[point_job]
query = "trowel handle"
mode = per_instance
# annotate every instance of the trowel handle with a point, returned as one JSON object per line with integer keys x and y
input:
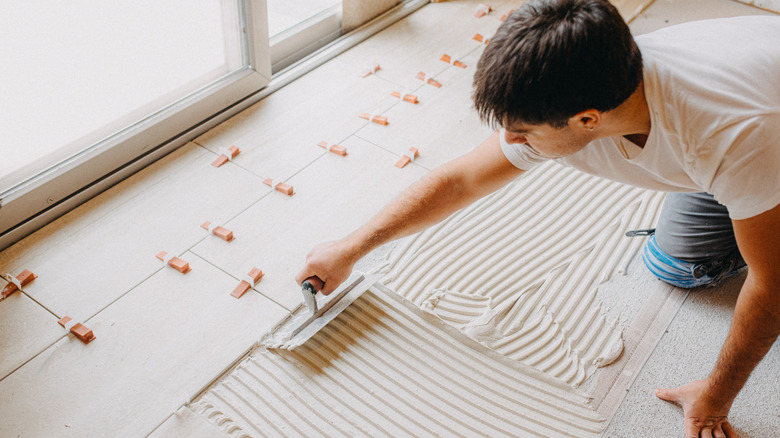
{"x": 313, "y": 284}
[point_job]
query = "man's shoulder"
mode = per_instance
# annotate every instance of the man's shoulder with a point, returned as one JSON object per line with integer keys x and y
{"x": 720, "y": 40}
{"x": 716, "y": 28}
{"x": 705, "y": 75}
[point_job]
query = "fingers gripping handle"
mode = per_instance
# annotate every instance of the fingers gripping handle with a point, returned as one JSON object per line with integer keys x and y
{"x": 309, "y": 289}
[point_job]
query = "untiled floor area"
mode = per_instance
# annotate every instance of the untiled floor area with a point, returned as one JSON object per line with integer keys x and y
{"x": 162, "y": 336}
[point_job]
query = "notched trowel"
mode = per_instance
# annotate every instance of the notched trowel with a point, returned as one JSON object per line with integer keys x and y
{"x": 308, "y": 318}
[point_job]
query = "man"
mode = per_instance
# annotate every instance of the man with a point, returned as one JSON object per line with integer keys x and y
{"x": 692, "y": 109}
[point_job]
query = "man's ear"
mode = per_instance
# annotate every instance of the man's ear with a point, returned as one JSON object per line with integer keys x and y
{"x": 587, "y": 120}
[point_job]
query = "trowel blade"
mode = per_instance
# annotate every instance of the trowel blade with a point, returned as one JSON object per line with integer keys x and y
{"x": 301, "y": 325}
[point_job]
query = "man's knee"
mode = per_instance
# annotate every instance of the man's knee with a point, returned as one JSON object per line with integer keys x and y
{"x": 694, "y": 227}
{"x": 685, "y": 274}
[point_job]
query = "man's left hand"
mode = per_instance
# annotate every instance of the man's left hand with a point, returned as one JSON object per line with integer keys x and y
{"x": 702, "y": 418}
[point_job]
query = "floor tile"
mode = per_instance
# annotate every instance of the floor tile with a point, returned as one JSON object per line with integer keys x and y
{"x": 442, "y": 126}
{"x": 333, "y": 197}
{"x": 278, "y": 136}
{"x": 154, "y": 348}
{"x": 26, "y": 329}
{"x": 86, "y": 264}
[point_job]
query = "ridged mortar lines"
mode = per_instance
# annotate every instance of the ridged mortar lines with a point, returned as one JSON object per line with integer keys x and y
{"x": 317, "y": 410}
{"x": 431, "y": 379}
{"x": 384, "y": 367}
{"x": 456, "y": 309}
{"x": 387, "y": 388}
{"x": 354, "y": 397}
{"x": 538, "y": 249}
{"x": 442, "y": 412}
{"x": 322, "y": 390}
{"x": 429, "y": 341}
{"x": 496, "y": 252}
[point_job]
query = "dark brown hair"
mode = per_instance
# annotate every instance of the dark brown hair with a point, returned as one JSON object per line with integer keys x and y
{"x": 552, "y": 59}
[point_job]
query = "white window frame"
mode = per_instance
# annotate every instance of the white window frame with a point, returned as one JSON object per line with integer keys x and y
{"x": 299, "y": 41}
{"x": 34, "y": 202}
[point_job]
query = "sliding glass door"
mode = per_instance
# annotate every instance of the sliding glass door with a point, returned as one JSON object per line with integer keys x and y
{"x": 93, "y": 91}
{"x": 88, "y": 87}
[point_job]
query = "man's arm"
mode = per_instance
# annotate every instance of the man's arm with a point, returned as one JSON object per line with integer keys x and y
{"x": 428, "y": 201}
{"x": 755, "y": 328}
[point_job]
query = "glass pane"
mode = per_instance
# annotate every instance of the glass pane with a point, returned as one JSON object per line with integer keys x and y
{"x": 75, "y": 72}
{"x": 284, "y": 14}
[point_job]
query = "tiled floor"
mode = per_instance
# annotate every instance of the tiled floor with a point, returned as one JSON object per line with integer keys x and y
{"x": 161, "y": 335}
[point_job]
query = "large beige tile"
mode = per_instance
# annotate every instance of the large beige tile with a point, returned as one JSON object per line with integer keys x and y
{"x": 84, "y": 265}
{"x": 26, "y": 329}
{"x": 442, "y": 126}
{"x": 154, "y": 348}
{"x": 279, "y": 135}
{"x": 333, "y": 196}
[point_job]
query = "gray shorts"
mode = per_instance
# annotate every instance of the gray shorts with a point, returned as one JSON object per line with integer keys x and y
{"x": 694, "y": 227}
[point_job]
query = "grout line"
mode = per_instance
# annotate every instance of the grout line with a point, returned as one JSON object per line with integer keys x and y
{"x": 388, "y": 150}
{"x": 163, "y": 422}
{"x": 195, "y": 141}
{"x": 40, "y": 304}
{"x": 237, "y": 279}
{"x": 33, "y": 357}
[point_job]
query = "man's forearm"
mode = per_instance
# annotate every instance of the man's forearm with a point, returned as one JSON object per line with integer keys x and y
{"x": 755, "y": 328}
{"x": 445, "y": 190}
{"x": 426, "y": 202}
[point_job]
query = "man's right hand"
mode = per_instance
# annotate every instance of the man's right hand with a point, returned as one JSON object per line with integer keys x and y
{"x": 331, "y": 262}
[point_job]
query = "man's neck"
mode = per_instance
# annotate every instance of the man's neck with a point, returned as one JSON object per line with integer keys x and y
{"x": 632, "y": 118}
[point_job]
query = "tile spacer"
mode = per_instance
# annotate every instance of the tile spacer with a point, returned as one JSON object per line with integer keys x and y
{"x": 431, "y": 81}
{"x": 221, "y": 232}
{"x": 248, "y": 282}
{"x": 407, "y": 158}
{"x": 336, "y": 149}
{"x": 411, "y": 98}
{"x": 278, "y": 186}
{"x": 480, "y": 38}
{"x": 17, "y": 283}
{"x": 174, "y": 262}
{"x": 226, "y": 155}
{"x": 448, "y": 59}
{"x": 381, "y": 120}
{"x": 482, "y": 10}
{"x": 80, "y": 330}
{"x": 373, "y": 68}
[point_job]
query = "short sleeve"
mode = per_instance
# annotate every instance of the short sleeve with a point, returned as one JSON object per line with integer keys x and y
{"x": 519, "y": 154}
{"x": 747, "y": 181}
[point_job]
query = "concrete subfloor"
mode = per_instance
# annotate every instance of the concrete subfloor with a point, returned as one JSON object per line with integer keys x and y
{"x": 154, "y": 325}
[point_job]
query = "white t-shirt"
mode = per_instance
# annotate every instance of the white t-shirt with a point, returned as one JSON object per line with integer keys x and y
{"x": 713, "y": 88}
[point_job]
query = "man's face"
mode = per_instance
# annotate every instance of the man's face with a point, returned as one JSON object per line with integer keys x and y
{"x": 546, "y": 140}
